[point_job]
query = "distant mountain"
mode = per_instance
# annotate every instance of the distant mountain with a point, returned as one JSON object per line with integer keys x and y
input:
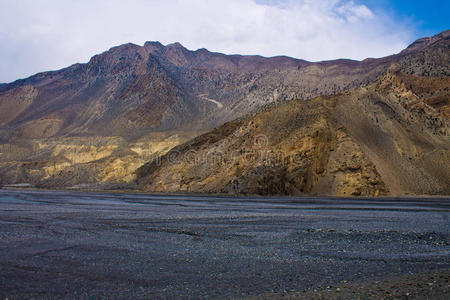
{"x": 96, "y": 123}
{"x": 132, "y": 89}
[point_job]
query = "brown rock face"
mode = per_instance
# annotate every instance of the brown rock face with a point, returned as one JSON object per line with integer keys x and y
{"x": 295, "y": 148}
{"x": 367, "y": 142}
{"x": 390, "y": 137}
{"x": 96, "y": 123}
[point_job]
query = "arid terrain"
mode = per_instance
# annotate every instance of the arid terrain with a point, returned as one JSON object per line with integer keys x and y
{"x": 239, "y": 150}
{"x": 234, "y": 124}
{"x": 72, "y": 245}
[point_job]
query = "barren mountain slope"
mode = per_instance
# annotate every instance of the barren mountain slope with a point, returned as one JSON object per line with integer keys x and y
{"x": 389, "y": 138}
{"x": 133, "y": 102}
{"x": 98, "y": 122}
{"x": 130, "y": 88}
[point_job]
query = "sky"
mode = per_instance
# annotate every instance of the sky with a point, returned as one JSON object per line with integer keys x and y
{"x": 42, "y": 35}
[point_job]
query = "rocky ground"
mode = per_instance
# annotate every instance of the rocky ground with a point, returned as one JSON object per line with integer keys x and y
{"x": 56, "y": 245}
{"x": 429, "y": 285}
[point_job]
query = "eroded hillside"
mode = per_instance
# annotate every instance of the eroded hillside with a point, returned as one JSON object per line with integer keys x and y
{"x": 389, "y": 138}
{"x": 95, "y": 124}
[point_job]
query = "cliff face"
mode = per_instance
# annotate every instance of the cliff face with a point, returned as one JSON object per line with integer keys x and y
{"x": 294, "y": 148}
{"x": 98, "y": 122}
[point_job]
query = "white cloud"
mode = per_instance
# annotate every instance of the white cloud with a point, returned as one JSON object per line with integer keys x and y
{"x": 354, "y": 12}
{"x": 39, "y": 35}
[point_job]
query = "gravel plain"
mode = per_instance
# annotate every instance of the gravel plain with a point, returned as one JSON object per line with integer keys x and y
{"x": 79, "y": 245}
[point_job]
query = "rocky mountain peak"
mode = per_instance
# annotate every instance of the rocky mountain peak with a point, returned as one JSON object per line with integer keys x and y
{"x": 176, "y": 45}
{"x": 423, "y": 43}
{"x": 154, "y": 47}
{"x": 178, "y": 54}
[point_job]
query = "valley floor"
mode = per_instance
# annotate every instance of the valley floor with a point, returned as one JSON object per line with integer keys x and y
{"x": 77, "y": 245}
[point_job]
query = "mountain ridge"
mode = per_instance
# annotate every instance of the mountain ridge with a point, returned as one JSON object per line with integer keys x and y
{"x": 96, "y": 123}
{"x": 415, "y": 46}
{"x": 174, "y": 57}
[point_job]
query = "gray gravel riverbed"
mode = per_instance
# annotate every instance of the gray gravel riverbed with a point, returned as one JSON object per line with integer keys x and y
{"x": 77, "y": 245}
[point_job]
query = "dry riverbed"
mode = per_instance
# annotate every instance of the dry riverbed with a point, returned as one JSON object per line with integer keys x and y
{"x": 77, "y": 245}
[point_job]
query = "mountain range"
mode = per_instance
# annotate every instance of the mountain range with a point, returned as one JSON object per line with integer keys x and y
{"x": 167, "y": 119}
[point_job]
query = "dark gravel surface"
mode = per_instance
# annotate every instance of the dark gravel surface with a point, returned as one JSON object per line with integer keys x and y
{"x": 89, "y": 245}
{"x": 433, "y": 285}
